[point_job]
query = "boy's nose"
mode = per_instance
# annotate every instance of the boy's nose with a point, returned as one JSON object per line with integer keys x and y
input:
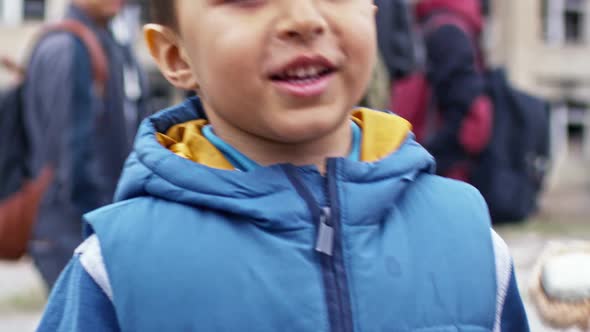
{"x": 301, "y": 21}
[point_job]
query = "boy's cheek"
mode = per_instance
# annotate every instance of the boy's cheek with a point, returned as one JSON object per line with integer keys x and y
{"x": 358, "y": 24}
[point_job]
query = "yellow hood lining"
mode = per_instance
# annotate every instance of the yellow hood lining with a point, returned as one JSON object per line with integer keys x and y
{"x": 383, "y": 134}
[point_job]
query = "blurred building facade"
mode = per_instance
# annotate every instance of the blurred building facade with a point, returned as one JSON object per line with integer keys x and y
{"x": 19, "y": 20}
{"x": 545, "y": 44}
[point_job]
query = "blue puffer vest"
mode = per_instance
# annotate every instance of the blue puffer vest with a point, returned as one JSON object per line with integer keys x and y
{"x": 379, "y": 246}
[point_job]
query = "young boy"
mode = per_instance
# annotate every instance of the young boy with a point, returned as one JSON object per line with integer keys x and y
{"x": 221, "y": 224}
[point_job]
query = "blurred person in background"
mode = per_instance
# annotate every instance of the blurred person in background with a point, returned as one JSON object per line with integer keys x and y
{"x": 468, "y": 115}
{"x": 85, "y": 135}
{"x": 396, "y": 57}
{"x": 395, "y": 37}
{"x": 455, "y": 71}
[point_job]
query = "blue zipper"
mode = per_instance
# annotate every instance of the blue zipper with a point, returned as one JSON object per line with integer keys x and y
{"x": 329, "y": 247}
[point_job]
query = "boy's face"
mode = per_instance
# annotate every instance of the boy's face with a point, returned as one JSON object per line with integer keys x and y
{"x": 287, "y": 71}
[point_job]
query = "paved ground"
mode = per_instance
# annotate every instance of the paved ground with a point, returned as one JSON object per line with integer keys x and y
{"x": 565, "y": 215}
{"x": 22, "y": 297}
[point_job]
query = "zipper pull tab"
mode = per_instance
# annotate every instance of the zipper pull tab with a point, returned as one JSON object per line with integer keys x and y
{"x": 325, "y": 240}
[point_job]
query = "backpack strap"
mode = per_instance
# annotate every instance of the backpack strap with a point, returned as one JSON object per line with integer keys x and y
{"x": 98, "y": 57}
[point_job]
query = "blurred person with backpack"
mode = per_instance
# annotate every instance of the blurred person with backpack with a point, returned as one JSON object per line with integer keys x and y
{"x": 479, "y": 127}
{"x": 455, "y": 72}
{"x": 84, "y": 131}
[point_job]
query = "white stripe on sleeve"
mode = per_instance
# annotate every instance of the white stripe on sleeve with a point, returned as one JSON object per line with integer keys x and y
{"x": 503, "y": 274}
{"x": 91, "y": 260}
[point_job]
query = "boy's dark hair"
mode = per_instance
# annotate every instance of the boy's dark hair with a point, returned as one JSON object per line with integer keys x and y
{"x": 163, "y": 12}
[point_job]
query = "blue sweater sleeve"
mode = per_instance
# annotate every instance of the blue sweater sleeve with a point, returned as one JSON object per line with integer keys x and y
{"x": 514, "y": 318}
{"x": 78, "y": 304}
{"x": 60, "y": 115}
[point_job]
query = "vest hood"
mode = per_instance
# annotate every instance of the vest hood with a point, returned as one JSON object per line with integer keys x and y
{"x": 160, "y": 167}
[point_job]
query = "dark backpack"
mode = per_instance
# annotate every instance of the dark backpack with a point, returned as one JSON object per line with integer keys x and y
{"x": 20, "y": 194}
{"x": 510, "y": 171}
{"x": 14, "y": 147}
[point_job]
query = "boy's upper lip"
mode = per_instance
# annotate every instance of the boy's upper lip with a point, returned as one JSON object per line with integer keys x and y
{"x": 302, "y": 61}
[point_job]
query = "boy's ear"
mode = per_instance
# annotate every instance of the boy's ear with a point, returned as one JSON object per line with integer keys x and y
{"x": 166, "y": 50}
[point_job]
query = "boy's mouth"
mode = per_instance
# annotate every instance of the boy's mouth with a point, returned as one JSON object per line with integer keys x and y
{"x": 304, "y": 76}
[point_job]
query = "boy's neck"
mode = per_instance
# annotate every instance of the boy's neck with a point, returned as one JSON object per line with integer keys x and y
{"x": 266, "y": 152}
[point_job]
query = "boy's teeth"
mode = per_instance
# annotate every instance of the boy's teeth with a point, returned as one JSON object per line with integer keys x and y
{"x": 312, "y": 71}
{"x": 302, "y": 72}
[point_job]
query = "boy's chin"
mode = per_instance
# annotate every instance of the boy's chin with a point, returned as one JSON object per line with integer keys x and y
{"x": 307, "y": 130}
{"x": 296, "y": 137}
